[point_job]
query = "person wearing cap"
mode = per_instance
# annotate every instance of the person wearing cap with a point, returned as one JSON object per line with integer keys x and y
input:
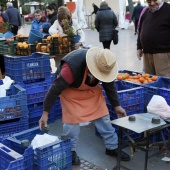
{"x": 14, "y": 18}
{"x": 77, "y": 82}
{"x": 153, "y": 41}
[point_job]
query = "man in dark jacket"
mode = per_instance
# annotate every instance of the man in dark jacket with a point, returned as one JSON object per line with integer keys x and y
{"x": 136, "y": 14}
{"x": 14, "y": 18}
{"x": 105, "y": 23}
{"x": 96, "y": 8}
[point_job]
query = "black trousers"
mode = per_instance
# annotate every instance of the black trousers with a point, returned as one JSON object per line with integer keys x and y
{"x": 136, "y": 25}
{"x": 2, "y": 65}
{"x": 106, "y": 44}
{"x": 14, "y": 29}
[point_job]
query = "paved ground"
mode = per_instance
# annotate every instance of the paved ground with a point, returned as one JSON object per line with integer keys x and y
{"x": 90, "y": 147}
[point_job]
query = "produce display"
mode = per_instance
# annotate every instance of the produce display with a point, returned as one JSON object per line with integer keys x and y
{"x": 55, "y": 44}
{"x": 138, "y": 78}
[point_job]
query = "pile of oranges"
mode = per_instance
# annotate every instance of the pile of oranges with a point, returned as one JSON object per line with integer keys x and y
{"x": 138, "y": 78}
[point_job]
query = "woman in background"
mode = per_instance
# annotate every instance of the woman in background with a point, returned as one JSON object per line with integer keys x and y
{"x": 72, "y": 25}
{"x": 51, "y": 12}
{"x": 105, "y": 23}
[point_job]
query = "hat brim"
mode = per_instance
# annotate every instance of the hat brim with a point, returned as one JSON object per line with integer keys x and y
{"x": 91, "y": 64}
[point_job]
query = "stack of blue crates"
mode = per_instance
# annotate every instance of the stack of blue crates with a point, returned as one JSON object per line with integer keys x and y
{"x": 33, "y": 73}
{"x": 13, "y": 112}
{"x": 160, "y": 87}
{"x": 56, "y": 155}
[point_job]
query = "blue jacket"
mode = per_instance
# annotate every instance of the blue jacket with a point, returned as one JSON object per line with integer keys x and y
{"x": 14, "y": 16}
{"x": 37, "y": 25}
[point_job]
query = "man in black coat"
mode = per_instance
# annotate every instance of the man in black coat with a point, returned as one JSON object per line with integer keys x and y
{"x": 136, "y": 14}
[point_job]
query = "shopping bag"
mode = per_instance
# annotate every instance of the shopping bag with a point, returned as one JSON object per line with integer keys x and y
{"x": 115, "y": 37}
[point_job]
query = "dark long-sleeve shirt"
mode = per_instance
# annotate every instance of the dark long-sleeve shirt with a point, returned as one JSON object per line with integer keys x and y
{"x": 154, "y": 31}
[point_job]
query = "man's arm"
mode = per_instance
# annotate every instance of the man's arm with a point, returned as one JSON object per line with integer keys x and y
{"x": 5, "y": 17}
{"x": 64, "y": 80}
{"x": 111, "y": 93}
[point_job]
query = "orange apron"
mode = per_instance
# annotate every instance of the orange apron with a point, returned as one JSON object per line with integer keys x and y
{"x": 83, "y": 104}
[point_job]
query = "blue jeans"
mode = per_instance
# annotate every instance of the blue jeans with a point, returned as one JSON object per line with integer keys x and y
{"x": 103, "y": 126}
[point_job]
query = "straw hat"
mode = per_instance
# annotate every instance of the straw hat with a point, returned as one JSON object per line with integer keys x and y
{"x": 102, "y": 64}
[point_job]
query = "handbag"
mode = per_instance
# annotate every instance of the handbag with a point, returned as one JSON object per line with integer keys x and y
{"x": 115, "y": 37}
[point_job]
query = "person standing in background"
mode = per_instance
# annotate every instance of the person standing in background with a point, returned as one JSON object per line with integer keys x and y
{"x": 105, "y": 23}
{"x": 3, "y": 19}
{"x": 136, "y": 14}
{"x": 51, "y": 12}
{"x": 38, "y": 21}
{"x": 95, "y": 9}
{"x": 14, "y": 18}
{"x": 154, "y": 38}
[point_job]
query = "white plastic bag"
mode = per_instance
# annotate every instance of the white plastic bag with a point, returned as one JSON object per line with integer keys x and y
{"x": 6, "y": 85}
{"x": 41, "y": 140}
{"x": 159, "y": 106}
{"x": 131, "y": 25}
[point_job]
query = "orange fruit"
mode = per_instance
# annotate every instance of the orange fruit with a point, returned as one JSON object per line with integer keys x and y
{"x": 143, "y": 75}
{"x": 119, "y": 77}
{"x": 141, "y": 79}
{"x": 124, "y": 76}
{"x": 147, "y": 75}
{"x": 154, "y": 78}
{"x": 127, "y": 75}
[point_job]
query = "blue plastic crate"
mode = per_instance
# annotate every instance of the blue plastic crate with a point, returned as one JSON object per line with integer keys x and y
{"x": 132, "y": 73}
{"x": 55, "y": 156}
{"x": 36, "y": 91}
{"x": 26, "y": 152}
{"x": 160, "y": 87}
{"x": 36, "y": 110}
{"x": 9, "y": 159}
{"x": 14, "y": 105}
{"x": 28, "y": 69}
{"x": 165, "y": 93}
{"x": 10, "y": 127}
{"x": 131, "y": 99}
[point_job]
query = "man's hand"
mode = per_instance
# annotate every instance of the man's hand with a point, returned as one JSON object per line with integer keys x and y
{"x": 120, "y": 111}
{"x": 43, "y": 120}
{"x": 139, "y": 54}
